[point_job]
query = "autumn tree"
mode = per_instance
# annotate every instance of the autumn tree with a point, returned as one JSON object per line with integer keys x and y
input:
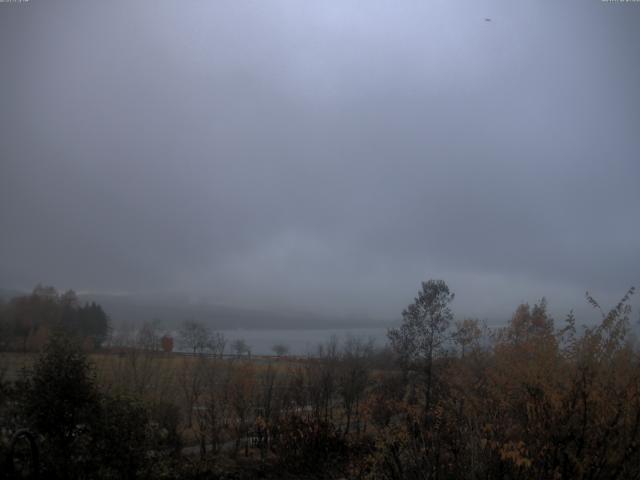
{"x": 192, "y": 378}
{"x": 280, "y": 349}
{"x": 213, "y": 413}
{"x": 321, "y": 379}
{"x": 166, "y": 342}
{"x": 31, "y": 312}
{"x": 5, "y": 327}
{"x": 529, "y": 323}
{"x": 148, "y": 337}
{"x": 241, "y": 347}
{"x": 353, "y": 378}
{"x": 422, "y": 334}
{"x": 467, "y": 334}
{"x": 241, "y": 400}
{"x": 216, "y": 344}
{"x": 269, "y": 405}
{"x": 194, "y": 336}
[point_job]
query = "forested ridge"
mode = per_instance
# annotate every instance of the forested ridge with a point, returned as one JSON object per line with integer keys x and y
{"x": 26, "y": 321}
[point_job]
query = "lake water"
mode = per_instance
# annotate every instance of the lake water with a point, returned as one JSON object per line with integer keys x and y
{"x": 300, "y": 342}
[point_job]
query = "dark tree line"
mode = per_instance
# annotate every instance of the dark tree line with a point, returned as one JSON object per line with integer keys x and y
{"x": 26, "y": 321}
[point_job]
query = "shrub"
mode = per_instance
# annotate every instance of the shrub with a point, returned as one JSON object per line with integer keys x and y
{"x": 306, "y": 445}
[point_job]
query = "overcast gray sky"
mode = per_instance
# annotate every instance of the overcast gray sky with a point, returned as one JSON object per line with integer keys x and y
{"x": 324, "y": 155}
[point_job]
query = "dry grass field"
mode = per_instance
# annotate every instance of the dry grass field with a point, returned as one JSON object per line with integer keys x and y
{"x": 183, "y": 381}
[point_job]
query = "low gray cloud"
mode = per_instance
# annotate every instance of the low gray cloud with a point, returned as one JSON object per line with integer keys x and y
{"x": 322, "y": 155}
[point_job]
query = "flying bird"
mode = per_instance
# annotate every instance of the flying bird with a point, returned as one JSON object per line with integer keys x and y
{"x": 487, "y": 19}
